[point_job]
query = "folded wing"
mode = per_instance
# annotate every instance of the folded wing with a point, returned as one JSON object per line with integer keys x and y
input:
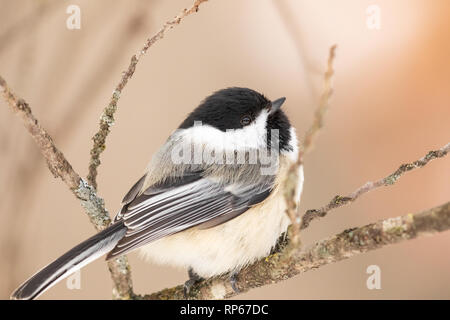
{"x": 188, "y": 201}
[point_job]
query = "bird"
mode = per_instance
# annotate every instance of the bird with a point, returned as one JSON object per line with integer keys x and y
{"x": 211, "y": 199}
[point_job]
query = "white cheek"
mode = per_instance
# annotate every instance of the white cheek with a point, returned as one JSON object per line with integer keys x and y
{"x": 252, "y": 136}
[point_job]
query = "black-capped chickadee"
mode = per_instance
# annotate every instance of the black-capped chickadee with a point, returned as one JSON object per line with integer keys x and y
{"x": 211, "y": 199}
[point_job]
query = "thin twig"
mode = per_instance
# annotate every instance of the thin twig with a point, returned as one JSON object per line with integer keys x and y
{"x": 56, "y": 161}
{"x": 311, "y": 134}
{"x": 308, "y": 140}
{"x": 291, "y": 260}
{"x": 339, "y": 201}
{"x": 96, "y": 81}
{"x": 286, "y": 263}
{"x": 61, "y": 168}
{"x": 107, "y": 117}
{"x": 119, "y": 268}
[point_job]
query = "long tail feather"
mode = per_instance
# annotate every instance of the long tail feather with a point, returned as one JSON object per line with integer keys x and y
{"x": 71, "y": 261}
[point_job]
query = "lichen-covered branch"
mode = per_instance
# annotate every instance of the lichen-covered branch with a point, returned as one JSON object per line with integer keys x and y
{"x": 107, "y": 117}
{"x": 339, "y": 201}
{"x": 61, "y": 168}
{"x": 85, "y": 191}
{"x": 310, "y": 135}
{"x": 319, "y": 115}
{"x": 57, "y": 163}
{"x": 119, "y": 267}
{"x": 292, "y": 260}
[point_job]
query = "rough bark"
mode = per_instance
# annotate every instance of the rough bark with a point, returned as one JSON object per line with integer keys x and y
{"x": 292, "y": 260}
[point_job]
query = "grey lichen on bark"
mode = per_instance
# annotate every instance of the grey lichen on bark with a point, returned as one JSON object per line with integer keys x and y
{"x": 59, "y": 166}
{"x": 121, "y": 275}
{"x": 107, "y": 117}
{"x": 119, "y": 267}
{"x": 93, "y": 205}
{"x": 339, "y": 201}
{"x": 292, "y": 260}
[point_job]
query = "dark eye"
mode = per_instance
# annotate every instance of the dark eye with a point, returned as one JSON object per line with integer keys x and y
{"x": 245, "y": 120}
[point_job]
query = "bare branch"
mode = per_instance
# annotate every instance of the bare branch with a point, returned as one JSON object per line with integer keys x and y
{"x": 61, "y": 168}
{"x": 119, "y": 268}
{"x": 291, "y": 260}
{"x": 321, "y": 110}
{"x": 107, "y": 117}
{"x": 310, "y": 136}
{"x": 56, "y": 161}
{"x": 339, "y": 201}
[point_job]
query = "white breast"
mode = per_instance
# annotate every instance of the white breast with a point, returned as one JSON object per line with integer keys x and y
{"x": 231, "y": 245}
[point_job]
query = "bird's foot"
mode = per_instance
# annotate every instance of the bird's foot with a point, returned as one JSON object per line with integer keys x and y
{"x": 233, "y": 281}
{"x": 193, "y": 279}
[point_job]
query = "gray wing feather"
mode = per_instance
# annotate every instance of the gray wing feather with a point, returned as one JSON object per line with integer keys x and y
{"x": 196, "y": 201}
{"x": 132, "y": 194}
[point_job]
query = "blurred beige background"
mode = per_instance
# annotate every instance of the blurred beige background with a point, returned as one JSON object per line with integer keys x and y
{"x": 390, "y": 106}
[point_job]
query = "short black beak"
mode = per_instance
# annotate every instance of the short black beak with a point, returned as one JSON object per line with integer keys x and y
{"x": 276, "y": 105}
